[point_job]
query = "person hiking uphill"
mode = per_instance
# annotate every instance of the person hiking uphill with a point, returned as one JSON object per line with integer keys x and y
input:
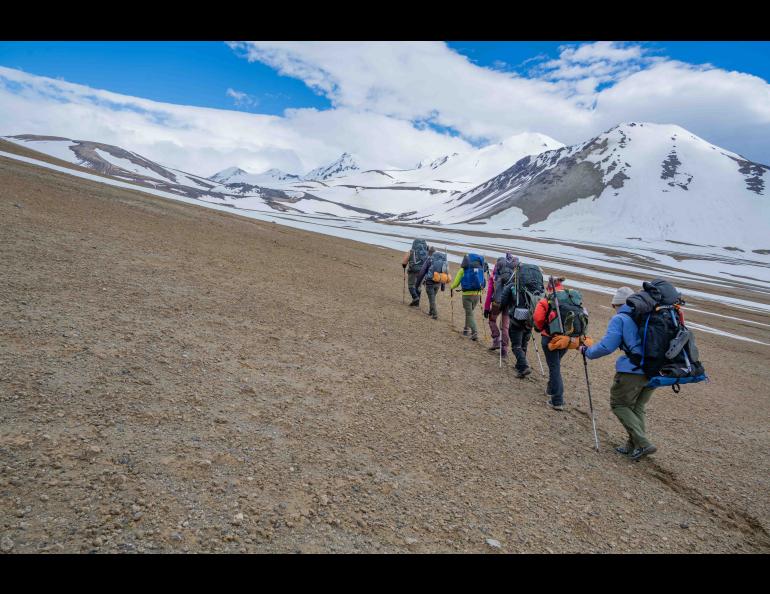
{"x": 515, "y": 301}
{"x": 499, "y": 279}
{"x": 542, "y": 318}
{"x": 434, "y": 272}
{"x": 629, "y": 393}
{"x": 471, "y": 278}
{"x": 412, "y": 263}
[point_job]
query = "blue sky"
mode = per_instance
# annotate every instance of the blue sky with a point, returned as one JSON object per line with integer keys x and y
{"x": 199, "y": 73}
{"x": 298, "y": 105}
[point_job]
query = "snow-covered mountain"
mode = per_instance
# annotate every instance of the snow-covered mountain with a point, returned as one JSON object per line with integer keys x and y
{"x": 236, "y": 175}
{"x": 111, "y": 160}
{"x": 643, "y": 180}
{"x": 434, "y": 163}
{"x": 126, "y": 166}
{"x": 479, "y": 165}
{"x": 345, "y": 165}
{"x": 224, "y": 176}
{"x": 637, "y": 181}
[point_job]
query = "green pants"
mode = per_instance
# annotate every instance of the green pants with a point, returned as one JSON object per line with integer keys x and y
{"x": 628, "y": 398}
{"x": 469, "y": 303}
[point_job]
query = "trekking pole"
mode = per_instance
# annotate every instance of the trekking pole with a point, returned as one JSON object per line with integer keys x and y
{"x": 501, "y": 341}
{"x": 590, "y": 402}
{"x": 403, "y": 293}
{"x": 537, "y": 352}
{"x": 452, "y": 306}
{"x": 481, "y": 303}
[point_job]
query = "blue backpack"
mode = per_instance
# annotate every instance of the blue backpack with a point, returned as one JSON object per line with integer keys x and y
{"x": 473, "y": 273}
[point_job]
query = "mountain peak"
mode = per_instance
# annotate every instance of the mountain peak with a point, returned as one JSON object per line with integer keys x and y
{"x": 227, "y": 174}
{"x": 344, "y": 165}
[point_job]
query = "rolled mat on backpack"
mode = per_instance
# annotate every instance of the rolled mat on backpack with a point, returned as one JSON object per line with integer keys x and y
{"x": 562, "y": 341}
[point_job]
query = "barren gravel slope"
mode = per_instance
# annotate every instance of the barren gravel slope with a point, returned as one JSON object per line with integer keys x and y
{"x": 178, "y": 379}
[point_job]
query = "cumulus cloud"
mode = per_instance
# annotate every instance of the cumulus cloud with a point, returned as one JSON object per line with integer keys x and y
{"x": 203, "y": 140}
{"x": 589, "y": 88}
{"x": 392, "y": 104}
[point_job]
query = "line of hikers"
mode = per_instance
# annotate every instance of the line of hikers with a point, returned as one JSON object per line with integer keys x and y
{"x": 648, "y": 327}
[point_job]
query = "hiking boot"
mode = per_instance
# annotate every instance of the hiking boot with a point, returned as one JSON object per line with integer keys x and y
{"x": 640, "y": 453}
{"x": 466, "y": 331}
{"x": 524, "y": 373}
{"x": 434, "y": 315}
{"x": 625, "y": 449}
{"x": 415, "y": 303}
{"x": 494, "y": 348}
{"x": 555, "y": 406}
{"x": 475, "y": 336}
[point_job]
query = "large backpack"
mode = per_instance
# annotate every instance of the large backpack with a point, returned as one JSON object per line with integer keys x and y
{"x": 438, "y": 271}
{"x": 417, "y": 255}
{"x": 503, "y": 275}
{"x": 473, "y": 273}
{"x": 572, "y": 318}
{"x": 527, "y": 289}
{"x": 669, "y": 354}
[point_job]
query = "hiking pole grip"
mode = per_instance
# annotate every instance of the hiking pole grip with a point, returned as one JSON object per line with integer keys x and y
{"x": 590, "y": 402}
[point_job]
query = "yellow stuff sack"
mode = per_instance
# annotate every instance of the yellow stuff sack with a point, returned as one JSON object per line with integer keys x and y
{"x": 441, "y": 277}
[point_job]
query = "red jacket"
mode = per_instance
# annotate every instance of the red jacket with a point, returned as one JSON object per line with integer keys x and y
{"x": 541, "y": 309}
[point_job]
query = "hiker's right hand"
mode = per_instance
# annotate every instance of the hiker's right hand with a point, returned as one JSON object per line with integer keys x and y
{"x": 486, "y": 313}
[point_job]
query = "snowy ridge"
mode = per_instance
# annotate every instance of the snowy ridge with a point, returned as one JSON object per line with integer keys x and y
{"x": 642, "y": 180}
{"x": 345, "y": 165}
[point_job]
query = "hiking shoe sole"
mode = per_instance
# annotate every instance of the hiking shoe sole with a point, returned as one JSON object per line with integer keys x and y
{"x": 559, "y": 407}
{"x": 522, "y": 374}
{"x": 474, "y": 337}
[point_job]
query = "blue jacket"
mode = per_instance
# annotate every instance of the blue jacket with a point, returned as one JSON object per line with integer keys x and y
{"x": 621, "y": 330}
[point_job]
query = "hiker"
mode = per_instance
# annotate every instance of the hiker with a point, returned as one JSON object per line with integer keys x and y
{"x": 658, "y": 350}
{"x": 544, "y": 314}
{"x": 471, "y": 278}
{"x": 629, "y": 393}
{"x": 520, "y": 298}
{"x": 500, "y": 277}
{"x": 412, "y": 264}
{"x": 434, "y": 272}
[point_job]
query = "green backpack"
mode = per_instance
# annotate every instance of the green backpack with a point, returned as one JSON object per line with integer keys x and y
{"x": 573, "y": 318}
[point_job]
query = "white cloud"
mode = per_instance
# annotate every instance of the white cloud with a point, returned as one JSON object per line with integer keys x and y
{"x": 202, "y": 140}
{"x": 589, "y": 88}
{"x": 385, "y": 98}
{"x": 241, "y": 99}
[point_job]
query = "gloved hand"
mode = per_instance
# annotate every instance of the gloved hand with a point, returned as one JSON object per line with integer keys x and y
{"x": 587, "y": 340}
{"x": 486, "y": 314}
{"x": 403, "y": 266}
{"x": 442, "y": 287}
{"x": 559, "y": 342}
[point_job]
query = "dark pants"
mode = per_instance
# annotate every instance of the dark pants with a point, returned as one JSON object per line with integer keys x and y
{"x": 520, "y": 337}
{"x": 413, "y": 291}
{"x": 555, "y": 383}
{"x": 431, "y": 289}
